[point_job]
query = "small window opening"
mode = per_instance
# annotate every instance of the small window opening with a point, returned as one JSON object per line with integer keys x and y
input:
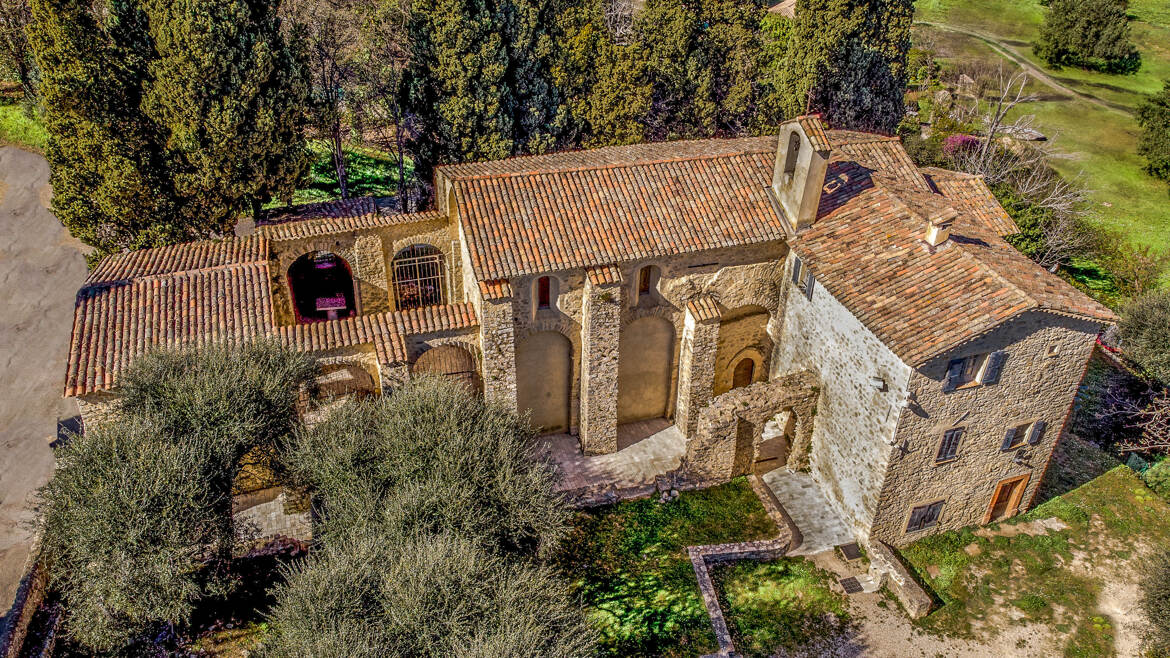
{"x": 793, "y": 152}
{"x": 924, "y": 516}
{"x": 744, "y": 373}
{"x": 644, "y": 281}
{"x": 949, "y": 448}
{"x": 543, "y": 293}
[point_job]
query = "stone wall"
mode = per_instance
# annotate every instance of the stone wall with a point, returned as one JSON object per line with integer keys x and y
{"x": 498, "y": 349}
{"x": 855, "y": 418}
{"x": 97, "y": 408}
{"x": 743, "y": 333}
{"x": 696, "y": 371}
{"x": 730, "y": 429}
{"x": 1046, "y": 358}
{"x": 601, "y": 317}
{"x": 369, "y": 253}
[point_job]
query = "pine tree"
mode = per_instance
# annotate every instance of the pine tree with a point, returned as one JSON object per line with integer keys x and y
{"x": 1154, "y": 144}
{"x": 232, "y": 98}
{"x": 1092, "y": 34}
{"x": 848, "y": 60}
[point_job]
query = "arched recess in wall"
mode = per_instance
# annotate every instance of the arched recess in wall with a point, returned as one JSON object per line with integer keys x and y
{"x": 453, "y": 362}
{"x": 321, "y": 284}
{"x": 344, "y": 379}
{"x": 645, "y": 365}
{"x": 419, "y": 277}
{"x": 744, "y": 348}
{"x": 544, "y": 369}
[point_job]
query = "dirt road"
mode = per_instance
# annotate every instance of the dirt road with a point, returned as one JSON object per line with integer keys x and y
{"x": 41, "y": 268}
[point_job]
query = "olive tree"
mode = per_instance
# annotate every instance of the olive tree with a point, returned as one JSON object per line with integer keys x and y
{"x": 137, "y": 519}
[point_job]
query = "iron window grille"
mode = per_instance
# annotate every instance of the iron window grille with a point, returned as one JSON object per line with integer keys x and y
{"x": 418, "y": 277}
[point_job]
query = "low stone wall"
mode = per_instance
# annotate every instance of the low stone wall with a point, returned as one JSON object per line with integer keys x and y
{"x": 29, "y": 597}
{"x": 888, "y": 569}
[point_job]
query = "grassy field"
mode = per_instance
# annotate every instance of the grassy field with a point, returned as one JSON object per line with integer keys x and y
{"x": 1101, "y": 142}
{"x": 17, "y": 129}
{"x": 628, "y": 563}
{"x": 1055, "y": 577}
{"x": 371, "y": 173}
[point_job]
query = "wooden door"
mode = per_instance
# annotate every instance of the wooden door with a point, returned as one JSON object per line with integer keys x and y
{"x": 1006, "y": 501}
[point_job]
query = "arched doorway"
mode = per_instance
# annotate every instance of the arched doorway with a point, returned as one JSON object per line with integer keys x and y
{"x": 419, "y": 279}
{"x": 453, "y": 362}
{"x": 544, "y": 370}
{"x": 744, "y": 373}
{"x": 322, "y": 287}
{"x": 344, "y": 379}
{"x": 645, "y": 364}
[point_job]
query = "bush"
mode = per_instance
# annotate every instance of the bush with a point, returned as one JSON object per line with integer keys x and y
{"x": 379, "y": 593}
{"x": 1153, "y": 116}
{"x": 137, "y": 519}
{"x": 1158, "y": 478}
{"x": 1143, "y": 333}
{"x": 1091, "y": 34}
{"x": 1155, "y": 601}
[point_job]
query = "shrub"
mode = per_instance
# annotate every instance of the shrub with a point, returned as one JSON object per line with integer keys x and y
{"x": 137, "y": 519}
{"x": 1155, "y": 601}
{"x": 1158, "y": 478}
{"x": 1091, "y": 34}
{"x": 381, "y": 593}
{"x": 1154, "y": 117}
{"x": 1143, "y": 333}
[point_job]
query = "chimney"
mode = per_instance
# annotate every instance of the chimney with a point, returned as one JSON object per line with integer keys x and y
{"x": 798, "y": 177}
{"x": 938, "y": 226}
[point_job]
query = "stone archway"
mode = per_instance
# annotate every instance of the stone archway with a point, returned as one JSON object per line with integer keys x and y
{"x": 743, "y": 350}
{"x": 321, "y": 285}
{"x": 730, "y": 436}
{"x": 453, "y": 362}
{"x": 645, "y": 366}
{"x": 544, "y": 368}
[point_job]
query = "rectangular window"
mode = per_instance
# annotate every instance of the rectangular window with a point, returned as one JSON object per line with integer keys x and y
{"x": 949, "y": 448}
{"x": 924, "y": 516}
{"x": 1015, "y": 437}
{"x": 644, "y": 281}
{"x": 963, "y": 372}
{"x": 803, "y": 277}
{"x": 544, "y": 292}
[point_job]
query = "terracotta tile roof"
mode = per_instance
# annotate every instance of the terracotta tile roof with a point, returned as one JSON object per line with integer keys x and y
{"x": 333, "y": 217}
{"x": 615, "y": 205}
{"x": 179, "y": 258}
{"x": 114, "y": 324}
{"x": 377, "y": 329}
{"x": 878, "y": 153}
{"x": 971, "y": 195}
{"x": 604, "y": 274}
{"x": 704, "y": 308}
{"x": 496, "y": 289}
{"x": 430, "y": 319}
{"x": 866, "y": 249}
{"x": 814, "y": 129}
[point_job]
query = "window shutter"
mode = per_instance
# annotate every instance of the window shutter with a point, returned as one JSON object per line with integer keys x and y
{"x": 954, "y": 372}
{"x": 1008, "y": 439}
{"x": 808, "y": 286}
{"x": 994, "y": 367}
{"x": 796, "y": 265}
{"x": 915, "y": 519}
{"x": 1037, "y": 432}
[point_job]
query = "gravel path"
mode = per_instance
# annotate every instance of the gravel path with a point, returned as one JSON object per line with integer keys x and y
{"x": 41, "y": 268}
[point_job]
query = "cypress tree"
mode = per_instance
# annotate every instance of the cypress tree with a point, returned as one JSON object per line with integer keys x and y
{"x": 479, "y": 85}
{"x": 107, "y": 159}
{"x": 232, "y": 98}
{"x": 848, "y": 60}
{"x": 1091, "y": 34}
{"x": 166, "y": 120}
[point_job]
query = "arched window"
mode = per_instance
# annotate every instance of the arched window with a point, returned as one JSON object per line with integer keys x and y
{"x": 418, "y": 277}
{"x": 744, "y": 373}
{"x": 793, "y": 152}
{"x": 321, "y": 287}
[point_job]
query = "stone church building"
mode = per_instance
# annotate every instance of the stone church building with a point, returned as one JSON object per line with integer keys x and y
{"x": 915, "y": 364}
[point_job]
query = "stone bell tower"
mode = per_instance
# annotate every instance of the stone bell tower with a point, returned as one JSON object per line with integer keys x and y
{"x": 802, "y": 158}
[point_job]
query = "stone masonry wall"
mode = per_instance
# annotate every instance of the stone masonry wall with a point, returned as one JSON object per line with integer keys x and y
{"x": 1046, "y": 358}
{"x": 696, "y": 371}
{"x": 855, "y": 420}
{"x": 601, "y": 320}
{"x": 498, "y": 349}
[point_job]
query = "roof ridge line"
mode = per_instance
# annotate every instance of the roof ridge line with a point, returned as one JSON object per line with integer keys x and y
{"x": 172, "y": 275}
{"x": 608, "y": 167}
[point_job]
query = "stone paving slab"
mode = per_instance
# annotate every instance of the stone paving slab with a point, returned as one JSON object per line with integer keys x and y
{"x": 819, "y": 526}
{"x": 636, "y": 467}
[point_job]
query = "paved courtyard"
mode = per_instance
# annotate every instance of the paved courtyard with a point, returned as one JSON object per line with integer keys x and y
{"x": 819, "y": 526}
{"x": 648, "y": 449}
{"x": 41, "y": 268}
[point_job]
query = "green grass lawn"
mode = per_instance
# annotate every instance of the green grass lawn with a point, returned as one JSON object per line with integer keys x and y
{"x": 783, "y": 604}
{"x": 1110, "y": 519}
{"x": 371, "y": 173}
{"x": 18, "y": 129}
{"x": 628, "y": 564}
{"x": 1101, "y": 142}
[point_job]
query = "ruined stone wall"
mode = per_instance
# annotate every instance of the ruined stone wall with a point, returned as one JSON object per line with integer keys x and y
{"x": 1046, "y": 358}
{"x": 742, "y": 337}
{"x": 855, "y": 420}
{"x": 369, "y": 254}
